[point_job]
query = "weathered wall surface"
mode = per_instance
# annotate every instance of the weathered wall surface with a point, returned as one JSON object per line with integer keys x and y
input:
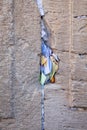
{"x": 27, "y": 47}
{"x": 19, "y": 65}
{"x": 5, "y": 58}
{"x": 68, "y": 38}
{"x": 79, "y": 54}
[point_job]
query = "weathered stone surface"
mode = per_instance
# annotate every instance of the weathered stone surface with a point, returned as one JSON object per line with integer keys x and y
{"x": 78, "y": 54}
{"x": 79, "y": 93}
{"x": 62, "y": 77}
{"x": 79, "y": 36}
{"x": 57, "y": 17}
{"x": 80, "y": 9}
{"x": 27, "y": 35}
{"x": 5, "y": 58}
{"x": 58, "y": 115}
{"x": 19, "y": 67}
{"x": 20, "y": 107}
{"x": 79, "y": 67}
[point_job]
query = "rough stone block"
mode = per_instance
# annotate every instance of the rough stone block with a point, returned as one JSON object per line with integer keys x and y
{"x": 57, "y": 17}
{"x": 79, "y": 94}
{"x": 6, "y": 108}
{"x": 79, "y": 67}
{"x": 27, "y": 48}
{"x": 27, "y": 32}
{"x": 79, "y": 36}
{"x": 81, "y": 9}
{"x": 79, "y": 26}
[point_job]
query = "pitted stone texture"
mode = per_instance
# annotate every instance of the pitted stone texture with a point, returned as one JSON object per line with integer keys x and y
{"x": 81, "y": 8}
{"x": 79, "y": 54}
{"x": 79, "y": 35}
{"x": 27, "y": 35}
{"x": 58, "y": 116}
{"x": 62, "y": 77}
{"x": 58, "y": 19}
{"x": 19, "y": 47}
{"x": 79, "y": 26}
{"x": 79, "y": 94}
{"x": 27, "y": 32}
{"x": 19, "y": 67}
{"x": 5, "y": 58}
{"x": 79, "y": 67}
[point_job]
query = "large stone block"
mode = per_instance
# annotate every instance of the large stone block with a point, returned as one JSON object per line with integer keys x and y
{"x": 58, "y": 19}
{"x": 79, "y": 94}
{"x": 27, "y": 48}
{"x": 79, "y": 26}
{"x": 78, "y": 54}
{"x": 6, "y": 105}
{"x": 81, "y": 9}
{"x": 79, "y": 67}
{"x": 27, "y": 32}
{"x": 19, "y": 64}
{"x": 79, "y": 36}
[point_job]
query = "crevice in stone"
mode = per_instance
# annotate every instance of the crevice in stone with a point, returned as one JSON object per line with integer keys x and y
{"x": 79, "y": 80}
{"x": 82, "y": 54}
{"x": 79, "y": 53}
{"x": 81, "y": 17}
{"x": 12, "y": 67}
{"x": 44, "y": 38}
{"x": 8, "y": 118}
{"x": 78, "y": 108}
{"x": 64, "y": 51}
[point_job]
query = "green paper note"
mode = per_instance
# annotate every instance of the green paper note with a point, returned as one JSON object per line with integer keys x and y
{"x": 43, "y": 79}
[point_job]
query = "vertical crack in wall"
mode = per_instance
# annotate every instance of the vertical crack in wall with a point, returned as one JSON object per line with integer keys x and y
{"x": 45, "y": 31}
{"x": 44, "y": 38}
{"x": 12, "y": 53}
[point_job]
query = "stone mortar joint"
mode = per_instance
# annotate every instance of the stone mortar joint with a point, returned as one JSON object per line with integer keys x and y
{"x": 80, "y": 16}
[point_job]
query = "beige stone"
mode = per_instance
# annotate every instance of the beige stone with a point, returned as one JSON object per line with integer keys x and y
{"x": 80, "y": 9}
{"x": 79, "y": 26}
{"x": 57, "y": 17}
{"x": 6, "y": 105}
{"x": 78, "y": 54}
{"x": 79, "y": 67}
{"x": 62, "y": 77}
{"x": 19, "y": 65}
{"x": 79, "y": 93}
{"x": 27, "y": 47}
{"x": 20, "y": 44}
{"x": 27, "y": 31}
{"x": 79, "y": 36}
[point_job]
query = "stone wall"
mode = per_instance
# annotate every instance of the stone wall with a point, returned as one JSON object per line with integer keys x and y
{"x": 68, "y": 38}
{"x": 19, "y": 62}
{"x": 78, "y": 50}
